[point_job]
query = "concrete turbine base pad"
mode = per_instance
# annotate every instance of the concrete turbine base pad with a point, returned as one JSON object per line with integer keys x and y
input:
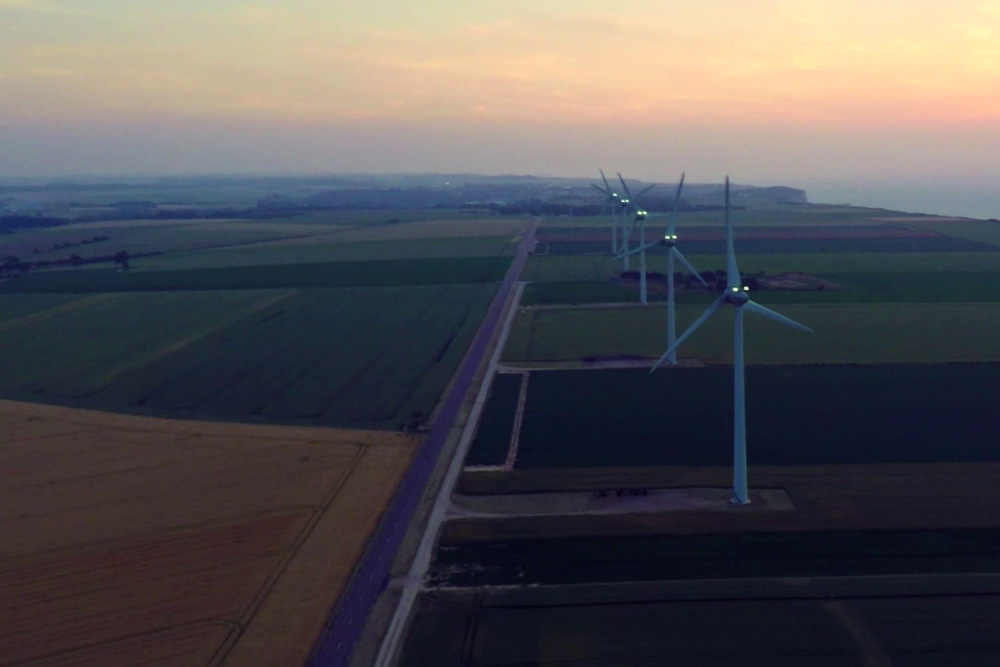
{"x": 699, "y": 499}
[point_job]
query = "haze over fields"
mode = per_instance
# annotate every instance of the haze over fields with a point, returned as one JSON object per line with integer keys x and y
{"x": 887, "y": 104}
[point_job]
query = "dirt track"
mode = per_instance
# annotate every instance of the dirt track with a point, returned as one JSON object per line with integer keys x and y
{"x": 138, "y": 541}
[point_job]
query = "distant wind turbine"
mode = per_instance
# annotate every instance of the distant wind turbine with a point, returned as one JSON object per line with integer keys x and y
{"x": 638, "y": 216}
{"x": 734, "y": 295}
{"x": 612, "y": 201}
{"x": 669, "y": 241}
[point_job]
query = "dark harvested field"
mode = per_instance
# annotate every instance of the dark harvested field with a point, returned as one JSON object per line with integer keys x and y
{"x": 918, "y": 244}
{"x": 857, "y": 287}
{"x": 494, "y": 430}
{"x": 610, "y": 626}
{"x": 137, "y": 542}
{"x": 441, "y": 271}
{"x": 375, "y": 356}
{"x": 621, "y": 558}
{"x": 796, "y": 415}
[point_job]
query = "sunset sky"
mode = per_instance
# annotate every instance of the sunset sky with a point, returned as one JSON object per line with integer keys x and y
{"x": 772, "y": 90}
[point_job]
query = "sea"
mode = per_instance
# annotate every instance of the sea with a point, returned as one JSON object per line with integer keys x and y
{"x": 967, "y": 200}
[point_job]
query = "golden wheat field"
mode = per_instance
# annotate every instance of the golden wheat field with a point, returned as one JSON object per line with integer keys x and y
{"x": 128, "y": 541}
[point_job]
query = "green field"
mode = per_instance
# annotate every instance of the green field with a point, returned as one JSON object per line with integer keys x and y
{"x": 372, "y": 356}
{"x": 794, "y": 246}
{"x": 870, "y": 287}
{"x": 764, "y": 214}
{"x": 442, "y": 271}
{"x": 656, "y": 225}
{"x": 16, "y": 306}
{"x": 973, "y": 230}
{"x": 306, "y": 252}
{"x": 540, "y": 268}
{"x": 145, "y": 236}
{"x": 338, "y": 318}
{"x": 581, "y": 292}
{"x": 844, "y": 333}
{"x": 493, "y": 433}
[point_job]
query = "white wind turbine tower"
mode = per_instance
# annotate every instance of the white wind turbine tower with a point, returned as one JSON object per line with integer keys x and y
{"x": 612, "y": 198}
{"x": 734, "y": 295}
{"x": 669, "y": 241}
{"x": 639, "y": 216}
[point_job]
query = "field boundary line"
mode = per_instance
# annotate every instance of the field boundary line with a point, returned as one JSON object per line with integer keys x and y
{"x": 338, "y": 643}
{"x": 855, "y": 626}
{"x": 231, "y": 626}
{"x": 856, "y": 587}
{"x": 515, "y": 432}
{"x": 179, "y": 345}
{"x": 413, "y": 582}
{"x": 75, "y": 304}
{"x": 250, "y": 610}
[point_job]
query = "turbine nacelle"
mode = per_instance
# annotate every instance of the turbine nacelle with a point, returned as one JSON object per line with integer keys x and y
{"x": 669, "y": 240}
{"x": 736, "y": 295}
{"x": 640, "y": 215}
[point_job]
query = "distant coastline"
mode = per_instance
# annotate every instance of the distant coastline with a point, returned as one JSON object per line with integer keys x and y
{"x": 958, "y": 199}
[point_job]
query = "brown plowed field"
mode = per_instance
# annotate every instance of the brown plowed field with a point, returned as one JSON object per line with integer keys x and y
{"x": 131, "y": 541}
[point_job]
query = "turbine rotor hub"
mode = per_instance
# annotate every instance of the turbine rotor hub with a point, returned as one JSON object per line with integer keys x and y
{"x": 737, "y": 296}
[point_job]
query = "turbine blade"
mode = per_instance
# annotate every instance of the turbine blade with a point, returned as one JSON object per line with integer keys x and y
{"x": 672, "y": 228}
{"x": 642, "y": 248}
{"x": 732, "y": 270}
{"x": 680, "y": 186}
{"x": 606, "y": 184}
{"x": 644, "y": 191}
{"x": 603, "y": 209}
{"x": 606, "y": 193}
{"x": 718, "y": 303}
{"x": 755, "y": 307}
{"x": 677, "y": 253}
{"x": 627, "y": 191}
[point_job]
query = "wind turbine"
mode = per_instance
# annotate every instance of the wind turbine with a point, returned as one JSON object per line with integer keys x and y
{"x": 612, "y": 198}
{"x": 669, "y": 241}
{"x": 639, "y": 215}
{"x": 734, "y": 295}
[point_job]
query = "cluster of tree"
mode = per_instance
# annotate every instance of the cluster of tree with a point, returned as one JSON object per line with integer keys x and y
{"x": 13, "y": 267}
{"x": 63, "y": 246}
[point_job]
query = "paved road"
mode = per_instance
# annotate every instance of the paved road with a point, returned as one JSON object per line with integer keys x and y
{"x": 344, "y": 628}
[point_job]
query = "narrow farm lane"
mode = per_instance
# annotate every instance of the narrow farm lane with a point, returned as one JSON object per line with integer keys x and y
{"x": 371, "y": 576}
